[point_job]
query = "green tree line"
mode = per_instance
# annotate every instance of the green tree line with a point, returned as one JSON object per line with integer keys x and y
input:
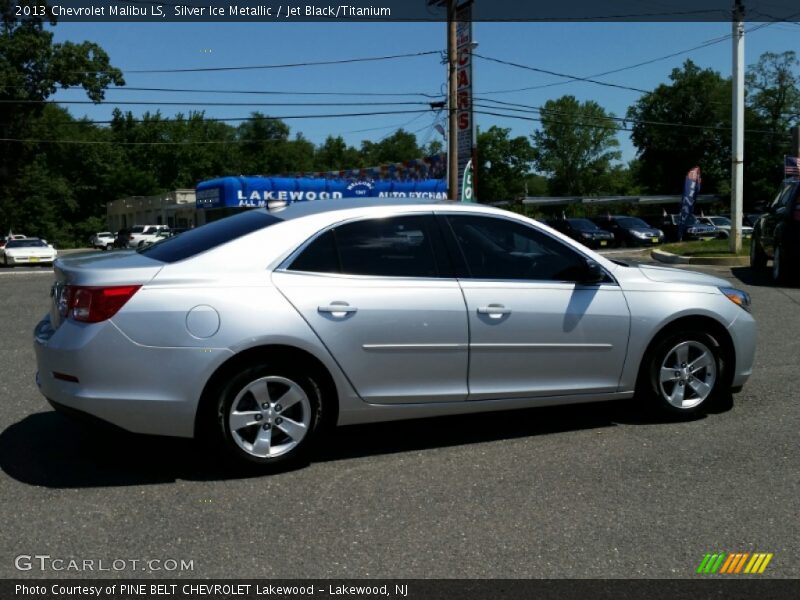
{"x": 57, "y": 172}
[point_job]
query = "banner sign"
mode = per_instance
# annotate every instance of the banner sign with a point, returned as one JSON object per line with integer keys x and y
{"x": 255, "y": 192}
{"x": 421, "y": 179}
{"x": 691, "y": 187}
{"x": 467, "y": 186}
{"x": 464, "y": 117}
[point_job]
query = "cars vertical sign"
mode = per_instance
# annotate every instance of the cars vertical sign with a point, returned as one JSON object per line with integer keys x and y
{"x": 464, "y": 116}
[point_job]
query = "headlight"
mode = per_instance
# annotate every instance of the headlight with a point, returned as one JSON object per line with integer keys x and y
{"x": 640, "y": 234}
{"x": 737, "y": 297}
{"x": 586, "y": 236}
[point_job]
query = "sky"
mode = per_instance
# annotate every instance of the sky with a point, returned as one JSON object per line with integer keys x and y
{"x": 582, "y": 49}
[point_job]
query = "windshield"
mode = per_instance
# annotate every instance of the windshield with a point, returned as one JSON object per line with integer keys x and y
{"x": 583, "y": 224}
{"x": 632, "y": 223}
{"x": 35, "y": 243}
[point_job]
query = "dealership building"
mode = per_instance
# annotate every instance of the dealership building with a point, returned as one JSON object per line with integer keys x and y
{"x": 421, "y": 179}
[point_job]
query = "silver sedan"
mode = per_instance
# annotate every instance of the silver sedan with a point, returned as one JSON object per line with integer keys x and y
{"x": 258, "y": 331}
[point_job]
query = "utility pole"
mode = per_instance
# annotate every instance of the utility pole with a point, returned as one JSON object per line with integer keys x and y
{"x": 737, "y": 142}
{"x": 452, "y": 101}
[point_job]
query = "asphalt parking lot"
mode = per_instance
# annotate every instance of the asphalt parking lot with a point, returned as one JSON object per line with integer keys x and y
{"x": 581, "y": 491}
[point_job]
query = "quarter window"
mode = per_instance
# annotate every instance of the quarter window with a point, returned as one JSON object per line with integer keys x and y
{"x": 502, "y": 249}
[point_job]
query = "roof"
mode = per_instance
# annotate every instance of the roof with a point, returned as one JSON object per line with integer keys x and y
{"x": 303, "y": 209}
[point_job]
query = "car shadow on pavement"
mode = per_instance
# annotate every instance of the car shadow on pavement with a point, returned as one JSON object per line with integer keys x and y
{"x": 758, "y": 277}
{"x": 52, "y": 450}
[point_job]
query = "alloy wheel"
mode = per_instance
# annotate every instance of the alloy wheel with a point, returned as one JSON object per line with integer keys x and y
{"x": 687, "y": 375}
{"x": 270, "y": 417}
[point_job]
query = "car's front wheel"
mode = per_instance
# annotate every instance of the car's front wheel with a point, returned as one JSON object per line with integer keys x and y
{"x": 682, "y": 373}
{"x": 268, "y": 415}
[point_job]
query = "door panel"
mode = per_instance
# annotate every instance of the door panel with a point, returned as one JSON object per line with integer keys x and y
{"x": 380, "y": 295}
{"x": 535, "y": 331}
{"x": 396, "y": 340}
{"x": 548, "y": 339}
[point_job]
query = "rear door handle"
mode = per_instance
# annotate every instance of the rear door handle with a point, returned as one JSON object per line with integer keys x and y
{"x": 494, "y": 310}
{"x": 337, "y": 309}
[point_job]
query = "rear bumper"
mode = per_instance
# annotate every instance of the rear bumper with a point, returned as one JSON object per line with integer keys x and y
{"x": 139, "y": 388}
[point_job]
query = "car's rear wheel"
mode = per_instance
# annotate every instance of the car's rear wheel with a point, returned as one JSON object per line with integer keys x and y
{"x": 268, "y": 415}
{"x": 682, "y": 373}
{"x": 780, "y": 272}
{"x": 758, "y": 258}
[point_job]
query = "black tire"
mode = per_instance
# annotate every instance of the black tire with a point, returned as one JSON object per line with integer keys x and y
{"x": 780, "y": 270}
{"x": 108, "y": 247}
{"x": 651, "y": 389}
{"x": 758, "y": 258}
{"x": 233, "y": 444}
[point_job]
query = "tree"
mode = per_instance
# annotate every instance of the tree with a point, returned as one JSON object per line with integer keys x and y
{"x": 503, "y": 165}
{"x": 399, "y": 146}
{"x": 32, "y": 67}
{"x": 699, "y": 100}
{"x": 576, "y": 146}
{"x": 773, "y": 99}
{"x": 334, "y": 154}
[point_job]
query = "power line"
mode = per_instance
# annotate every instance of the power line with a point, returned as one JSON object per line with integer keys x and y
{"x": 342, "y": 61}
{"x": 240, "y": 119}
{"x": 557, "y": 74}
{"x": 524, "y": 107}
{"x": 234, "y": 92}
{"x": 590, "y": 78}
{"x": 203, "y": 103}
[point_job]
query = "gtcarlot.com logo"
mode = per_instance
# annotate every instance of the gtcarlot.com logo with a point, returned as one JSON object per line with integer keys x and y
{"x": 735, "y": 563}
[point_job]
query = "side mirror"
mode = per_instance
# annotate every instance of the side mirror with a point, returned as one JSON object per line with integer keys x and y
{"x": 592, "y": 273}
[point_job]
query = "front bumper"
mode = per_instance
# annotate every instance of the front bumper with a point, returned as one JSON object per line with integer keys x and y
{"x": 743, "y": 334}
{"x": 30, "y": 260}
{"x": 142, "y": 389}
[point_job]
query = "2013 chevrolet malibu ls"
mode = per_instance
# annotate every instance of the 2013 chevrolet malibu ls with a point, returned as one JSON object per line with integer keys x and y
{"x": 259, "y": 330}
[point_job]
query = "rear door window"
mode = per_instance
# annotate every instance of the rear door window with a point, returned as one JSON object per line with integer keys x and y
{"x": 390, "y": 247}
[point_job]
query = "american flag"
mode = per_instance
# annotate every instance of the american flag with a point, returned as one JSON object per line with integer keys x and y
{"x": 791, "y": 166}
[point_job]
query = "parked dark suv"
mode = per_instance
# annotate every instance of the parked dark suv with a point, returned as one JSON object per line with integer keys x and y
{"x": 630, "y": 231}
{"x": 583, "y": 231}
{"x": 776, "y": 234}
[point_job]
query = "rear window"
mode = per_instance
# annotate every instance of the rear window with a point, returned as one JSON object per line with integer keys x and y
{"x": 137, "y": 229}
{"x": 200, "y": 239}
{"x": 25, "y": 244}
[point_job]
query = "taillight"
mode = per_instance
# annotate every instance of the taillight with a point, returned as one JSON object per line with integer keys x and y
{"x": 91, "y": 304}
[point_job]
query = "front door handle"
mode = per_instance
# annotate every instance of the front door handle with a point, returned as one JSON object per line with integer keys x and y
{"x": 495, "y": 311}
{"x": 337, "y": 309}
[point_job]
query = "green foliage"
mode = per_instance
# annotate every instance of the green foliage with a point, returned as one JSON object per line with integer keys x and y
{"x": 701, "y": 100}
{"x": 576, "y": 146}
{"x": 504, "y": 164}
{"x": 773, "y": 102}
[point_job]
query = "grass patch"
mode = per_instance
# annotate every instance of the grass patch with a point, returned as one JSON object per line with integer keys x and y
{"x": 705, "y": 248}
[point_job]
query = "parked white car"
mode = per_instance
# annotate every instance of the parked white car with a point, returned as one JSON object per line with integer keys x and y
{"x": 724, "y": 226}
{"x": 27, "y": 251}
{"x": 143, "y": 234}
{"x": 103, "y": 240}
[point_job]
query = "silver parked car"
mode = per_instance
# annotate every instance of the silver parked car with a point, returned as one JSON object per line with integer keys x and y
{"x": 259, "y": 330}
